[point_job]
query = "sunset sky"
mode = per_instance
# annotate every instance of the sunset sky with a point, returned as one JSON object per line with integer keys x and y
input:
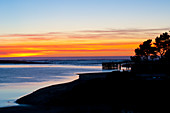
{"x": 56, "y": 28}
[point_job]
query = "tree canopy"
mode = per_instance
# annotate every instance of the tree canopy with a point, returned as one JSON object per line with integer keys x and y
{"x": 162, "y": 44}
{"x": 160, "y": 48}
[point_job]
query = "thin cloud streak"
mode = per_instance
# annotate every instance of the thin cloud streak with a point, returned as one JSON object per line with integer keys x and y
{"x": 122, "y": 31}
{"x": 70, "y": 45}
{"x": 81, "y": 50}
{"x": 86, "y": 35}
{"x": 125, "y": 30}
{"x": 32, "y": 35}
{"x": 40, "y": 39}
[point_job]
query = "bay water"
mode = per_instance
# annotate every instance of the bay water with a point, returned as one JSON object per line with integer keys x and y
{"x": 17, "y": 80}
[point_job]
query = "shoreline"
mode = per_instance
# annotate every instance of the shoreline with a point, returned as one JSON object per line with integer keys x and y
{"x": 20, "y": 74}
{"x": 21, "y": 62}
{"x": 60, "y": 98}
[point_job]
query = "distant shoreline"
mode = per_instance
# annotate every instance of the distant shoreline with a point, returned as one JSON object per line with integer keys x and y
{"x": 44, "y": 60}
{"x": 68, "y": 58}
{"x": 20, "y": 62}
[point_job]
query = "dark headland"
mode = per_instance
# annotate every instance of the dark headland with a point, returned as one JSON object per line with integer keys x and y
{"x": 112, "y": 92}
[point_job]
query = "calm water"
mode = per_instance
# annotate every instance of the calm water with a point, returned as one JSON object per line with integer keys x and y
{"x": 19, "y": 80}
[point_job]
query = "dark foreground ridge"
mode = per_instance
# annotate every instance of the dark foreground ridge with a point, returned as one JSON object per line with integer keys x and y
{"x": 113, "y": 92}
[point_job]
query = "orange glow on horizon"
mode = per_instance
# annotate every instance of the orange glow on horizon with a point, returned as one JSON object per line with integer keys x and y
{"x": 67, "y": 45}
{"x": 61, "y": 50}
{"x": 21, "y": 55}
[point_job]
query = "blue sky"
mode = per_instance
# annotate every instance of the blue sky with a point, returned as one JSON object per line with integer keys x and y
{"x": 49, "y": 28}
{"x": 38, "y": 16}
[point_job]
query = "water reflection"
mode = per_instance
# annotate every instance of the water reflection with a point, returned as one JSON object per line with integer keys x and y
{"x": 9, "y": 92}
{"x": 47, "y": 65}
{"x": 32, "y": 85}
{"x": 25, "y": 77}
{"x": 18, "y": 80}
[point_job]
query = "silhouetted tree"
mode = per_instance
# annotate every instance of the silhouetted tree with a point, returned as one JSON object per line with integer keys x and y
{"x": 145, "y": 50}
{"x": 162, "y": 44}
{"x": 160, "y": 48}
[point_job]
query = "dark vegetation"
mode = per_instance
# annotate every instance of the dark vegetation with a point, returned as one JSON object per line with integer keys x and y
{"x": 159, "y": 49}
{"x": 153, "y": 57}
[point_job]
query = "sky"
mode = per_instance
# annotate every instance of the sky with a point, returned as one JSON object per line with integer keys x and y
{"x": 57, "y": 28}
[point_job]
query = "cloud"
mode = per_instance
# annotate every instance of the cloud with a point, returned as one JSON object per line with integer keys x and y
{"x": 32, "y": 35}
{"x": 22, "y": 35}
{"x": 40, "y": 39}
{"x": 125, "y": 30}
{"x": 27, "y": 46}
{"x": 87, "y": 35}
{"x": 95, "y": 50}
{"x": 78, "y": 45}
{"x": 54, "y": 33}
